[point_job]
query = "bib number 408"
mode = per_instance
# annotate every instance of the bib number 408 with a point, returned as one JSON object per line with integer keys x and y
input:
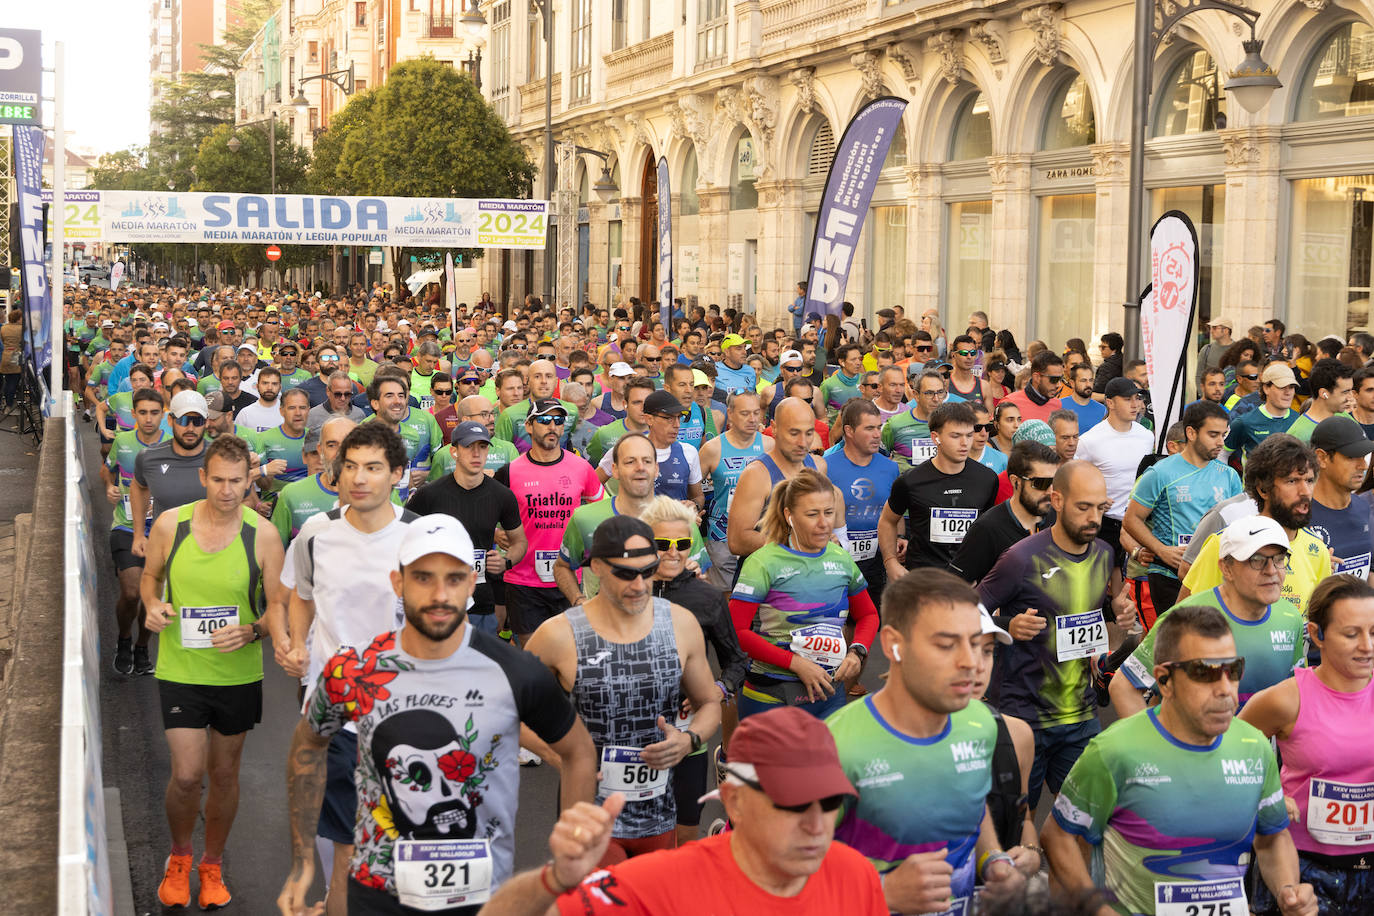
{"x": 212, "y": 625}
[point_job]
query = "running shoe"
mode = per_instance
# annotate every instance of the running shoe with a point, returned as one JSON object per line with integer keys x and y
{"x": 529, "y": 758}
{"x": 175, "y": 889}
{"x": 718, "y": 758}
{"x": 142, "y": 663}
{"x": 718, "y": 826}
{"x": 213, "y": 893}
{"x": 124, "y": 656}
{"x": 505, "y": 635}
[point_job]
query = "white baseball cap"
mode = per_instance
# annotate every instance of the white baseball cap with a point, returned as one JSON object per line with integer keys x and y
{"x": 189, "y": 402}
{"x": 990, "y": 626}
{"x": 436, "y": 534}
{"x": 791, "y": 356}
{"x": 620, "y": 370}
{"x": 1241, "y": 539}
{"x": 510, "y": 326}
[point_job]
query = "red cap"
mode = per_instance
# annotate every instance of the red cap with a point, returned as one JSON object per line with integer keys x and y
{"x": 793, "y": 754}
{"x": 225, "y": 325}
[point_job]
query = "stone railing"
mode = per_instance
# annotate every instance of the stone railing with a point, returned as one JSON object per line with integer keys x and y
{"x": 532, "y": 99}
{"x": 786, "y": 22}
{"x": 640, "y": 67}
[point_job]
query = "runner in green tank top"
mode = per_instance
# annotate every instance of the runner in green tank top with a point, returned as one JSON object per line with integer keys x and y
{"x": 214, "y": 560}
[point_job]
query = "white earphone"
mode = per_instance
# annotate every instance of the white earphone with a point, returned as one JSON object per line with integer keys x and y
{"x": 896, "y": 653}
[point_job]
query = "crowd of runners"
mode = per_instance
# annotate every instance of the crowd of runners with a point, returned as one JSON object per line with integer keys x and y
{"x": 658, "y": 557}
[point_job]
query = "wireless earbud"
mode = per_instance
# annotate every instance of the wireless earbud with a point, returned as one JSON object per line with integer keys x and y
{"x": 896, "y": 654}
{"x": 1321, "y": 632}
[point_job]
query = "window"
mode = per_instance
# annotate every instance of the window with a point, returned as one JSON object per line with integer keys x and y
{"x": 712, "y": 20}
{"x": 1069, "y": 118}
{"x": 534, "y": 41}
{"x": 1332, "y": 253}
{"x": 359, "y": 85}
{"x": 1206, "y": 207}
{"x": 689, "y": 204}
{"x": 313, "y": 52}
{"x": 896, "y": 153}
{"x": 822, "y": 151}
{"x": 969, "y": 247}
{"x": 743, "y": 195}
{"x": 439, "y": 20}
{"x": 581, "y": 76}
{"x": 1190, "y": 99}
{"x": 360, "y": 14}
{"x": 618, "y": 39}
{"x": 972, "y": 130}
{"x": 1064, "y": 281}
{"x": 1340, "y": 80}
{"x": 500, "y": 57}
{"x": 887, "y": 275}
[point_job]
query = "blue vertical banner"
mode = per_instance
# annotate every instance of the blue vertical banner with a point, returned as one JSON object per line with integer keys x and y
{"x": 28, "y": 175}
{"x": 665, "y": 247}
{"x": 849, "y": 187}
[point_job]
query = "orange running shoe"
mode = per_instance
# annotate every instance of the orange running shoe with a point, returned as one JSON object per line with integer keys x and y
{"x": 175, "y": 889}
{"x": 213, "y": 893}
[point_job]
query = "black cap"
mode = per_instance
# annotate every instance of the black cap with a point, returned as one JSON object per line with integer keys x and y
{"x": 1122, "y": 388}
{"x": 469, "y": 432}
{"x": 1343, "y": 435}
{"x": 813, "y": 316}
{"x": 547, "y": 405}
{"x": 663, "y": 404}
{"x": 608, "y": 541}
{"x": 886, "y": 313}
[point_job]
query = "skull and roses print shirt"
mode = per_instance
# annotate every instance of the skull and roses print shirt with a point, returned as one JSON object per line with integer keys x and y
{"x": 437, "y": 742}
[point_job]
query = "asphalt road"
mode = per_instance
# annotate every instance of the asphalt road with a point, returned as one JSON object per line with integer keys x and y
{"x": 255, "y": 862}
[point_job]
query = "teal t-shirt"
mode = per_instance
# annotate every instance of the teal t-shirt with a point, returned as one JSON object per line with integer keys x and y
{"x": 274, "y": 443}
{"x": 1178, "y": 494}
{"x": 123, "y": 450}
{"x": 837, "y": 391}
{"x": 1165, "y": 811}
{"x": 906, "y": 440}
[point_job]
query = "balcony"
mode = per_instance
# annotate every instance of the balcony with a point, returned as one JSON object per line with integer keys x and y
{"x": 532, "y": 99}
{"x": 640, "y": 68}
{"x": 437, "y": 26}
{"x": 789, "y": 22}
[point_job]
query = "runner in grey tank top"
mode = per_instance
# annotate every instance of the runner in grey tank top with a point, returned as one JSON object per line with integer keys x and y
{"x": 621, "y": 690}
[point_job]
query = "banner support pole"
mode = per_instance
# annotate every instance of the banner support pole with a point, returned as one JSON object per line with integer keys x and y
{"x": 57, "y": 291}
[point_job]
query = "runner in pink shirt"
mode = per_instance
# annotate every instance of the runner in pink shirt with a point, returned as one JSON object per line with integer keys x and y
{"x": 548, "y": 483}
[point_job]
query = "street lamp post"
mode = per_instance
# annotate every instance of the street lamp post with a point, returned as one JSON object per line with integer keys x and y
{"x": 1252, "y": 83}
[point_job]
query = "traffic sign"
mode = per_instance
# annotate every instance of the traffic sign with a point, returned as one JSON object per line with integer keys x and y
{"x": 273, "y": 253}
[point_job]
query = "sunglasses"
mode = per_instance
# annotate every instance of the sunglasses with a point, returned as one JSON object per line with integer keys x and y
{"x": 965, "y": 352}
{"x": 925, "y": 349}
{"x": 792, "y": 368}
{"x": 471, "y": 380}
{"x": 650, "y": 359}
{"x": 1259, "y": 561}
{"x": 1054, "y": 379}
{"x": 1039, "y": 483}
{"x": 328, "y": 359}
{"x": 1210, "y": 670}
{"x": 521, "y": 348}
{"x": 828, "y": 804}
{"x": 681, "y": 545}
{"x": 623, "y": 327}
{"x": 442, "y": 392}
{"x": 1252, "y": 377}
{"x": 631, "y": 573}
{"x": 946, "y": 372}
{"x": 545, "y": 419}
{"x": 191, "y": 420}
{"x": 982, "y": 427}
{"x": 339, "y": 394}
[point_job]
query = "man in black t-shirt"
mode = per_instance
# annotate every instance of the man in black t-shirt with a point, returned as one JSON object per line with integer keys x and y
{"x": 483, "y": 506}
{"x": 1030, "y": 467}
{"x": 939, "y": 499}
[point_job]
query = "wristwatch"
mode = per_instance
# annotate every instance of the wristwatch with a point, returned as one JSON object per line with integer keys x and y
{"x": 257, "y": 631}
{"x": 696, "y": 740}
{"x": 860, "y": 650}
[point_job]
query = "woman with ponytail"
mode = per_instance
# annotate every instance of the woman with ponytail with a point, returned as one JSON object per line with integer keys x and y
{"x": 801, "y": 586}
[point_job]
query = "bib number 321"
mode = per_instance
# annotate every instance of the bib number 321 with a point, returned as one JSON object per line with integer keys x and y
{"x": 442, "y": 874}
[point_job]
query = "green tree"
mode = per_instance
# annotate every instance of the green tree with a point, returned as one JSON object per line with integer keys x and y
{"x": 427, "y": 132}
{"x": 125, "y": 170}
{"x": 247, "y": 170}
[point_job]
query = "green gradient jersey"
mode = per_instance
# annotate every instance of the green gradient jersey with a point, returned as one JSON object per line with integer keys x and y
{"x": 208, "y": 384}
{"x": 121, "y": 405}
{"x": 274, "y": 443}
{"x": 499, "y": 455}
{"x": 1166, "y": 812}
{"x": 838, "y": 390}
{"x": 906, "y": 440}
{"x": 1271, "y": 646}
{"x": 577, "y": 541}
{"x": 295, "y": 379}
{"x": 604, "y": 440}
{"x": 510, "y": 425}
{"x": 422, "y": 437}
{"x": 1035, "y": 574}
{"x": 120, "y": 461}
{"x": 915, "y": 794}
{"x": 96, "y": 378}
{"x": 299, "y": 501}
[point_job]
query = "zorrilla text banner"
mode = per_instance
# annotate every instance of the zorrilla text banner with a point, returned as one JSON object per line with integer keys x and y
{"x": 307, "y": 219}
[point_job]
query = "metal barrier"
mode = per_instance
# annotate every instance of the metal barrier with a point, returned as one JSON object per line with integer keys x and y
{"x": 83, "y": 875}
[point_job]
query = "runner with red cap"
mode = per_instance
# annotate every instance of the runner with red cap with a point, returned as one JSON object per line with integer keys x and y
{"x": 780, "y": 857}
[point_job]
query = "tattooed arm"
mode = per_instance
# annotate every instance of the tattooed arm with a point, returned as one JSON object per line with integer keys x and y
{"x": 305, "y": 775}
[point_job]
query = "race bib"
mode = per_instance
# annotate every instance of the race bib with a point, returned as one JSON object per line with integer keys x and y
{"x": 479, "y": 564}
{"x": 622, "y": 770}
{"x": 543, "y": 564}
{"x": 1080, "y": 635}
{"x": 1203, "y": 898}
{"x": 198, "y": 624}
{"x": 863, "y": 545}
{"x": 1356, "y": 566}
{"x": 1340, "y": 813}
{"x": 683, "y": 721}
{"x": 426, "y": 401}
{"x": 948, "y": 526}
{"x": 822, "y": 643}
{"x": 1184, "y": 540}
{"x": 128, "y": 511}
{"x": 922, "y": 450}
{"x": 442, "y": 874}
{"x": 959, "y": 906}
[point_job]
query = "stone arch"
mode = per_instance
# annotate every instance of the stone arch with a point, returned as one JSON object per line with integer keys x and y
{"x": 1294, "y": 37}
{"x": 799, "y": 126}
{"x": 1035, "y": 84}
{"x": 943, "y": 107}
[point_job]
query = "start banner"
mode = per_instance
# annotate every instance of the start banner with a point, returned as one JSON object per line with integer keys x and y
{"x": 307, "y": 219}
